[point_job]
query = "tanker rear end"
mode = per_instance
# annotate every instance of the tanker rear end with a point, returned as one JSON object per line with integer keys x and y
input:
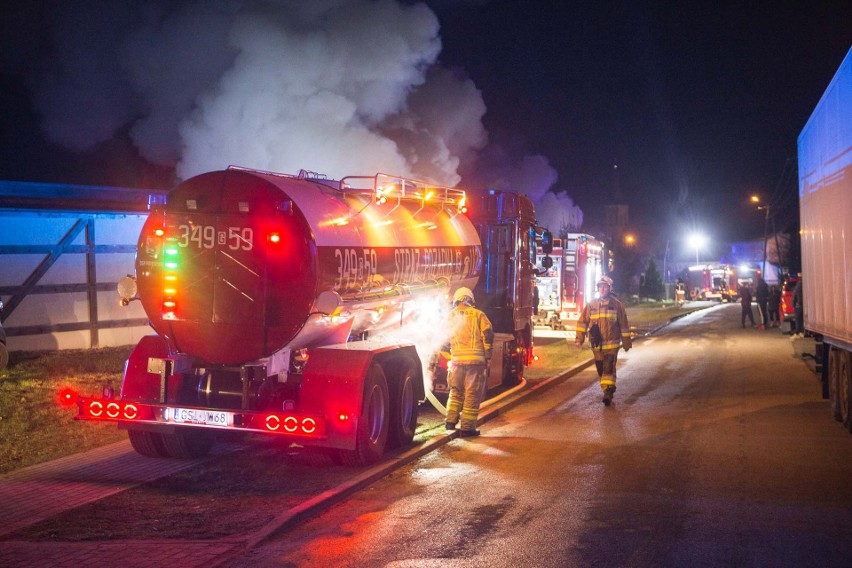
{"x": 258, "y": 285}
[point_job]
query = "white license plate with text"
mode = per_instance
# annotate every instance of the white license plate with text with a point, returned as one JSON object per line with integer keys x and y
{"x": 198, "y": 416}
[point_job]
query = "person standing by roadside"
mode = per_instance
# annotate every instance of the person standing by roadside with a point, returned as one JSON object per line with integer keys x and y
{"x": 605, "y": 321}
{"x": 761, "y": 294}
{"x": 745, "y": 302}
{"x": 799, "y": 308}
{"x": 774, "y": 306}
{"x": 471, "y": 346}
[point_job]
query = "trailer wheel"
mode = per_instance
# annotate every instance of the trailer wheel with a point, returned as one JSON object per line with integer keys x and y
{"x": 188, "y": 443}
{"x": 834, "y": 383}
{"x": 372, "y": 434}
{"x": 403, "y": 403}
{"x": 844, "y": 391}
{"x": 148, "y": 444}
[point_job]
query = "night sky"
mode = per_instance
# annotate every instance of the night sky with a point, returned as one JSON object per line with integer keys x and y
{"x": 680, "y": 112}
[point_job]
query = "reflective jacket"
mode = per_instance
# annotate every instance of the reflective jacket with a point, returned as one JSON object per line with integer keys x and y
{"x": 472, "y": 336}
{"x": 611, "y": 318}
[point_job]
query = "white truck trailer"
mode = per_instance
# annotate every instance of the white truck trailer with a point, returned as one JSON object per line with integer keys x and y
{"x": 825, "y": 197}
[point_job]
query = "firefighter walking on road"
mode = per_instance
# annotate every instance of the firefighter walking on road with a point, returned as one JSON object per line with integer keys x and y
{"x": 471, "y": 346}
{"x": 604, "y": 320}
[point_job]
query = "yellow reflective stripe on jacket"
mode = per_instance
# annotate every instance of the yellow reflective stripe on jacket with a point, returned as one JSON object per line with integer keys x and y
{"x": 610, "y": 317}
{"x": 472, "y": 335}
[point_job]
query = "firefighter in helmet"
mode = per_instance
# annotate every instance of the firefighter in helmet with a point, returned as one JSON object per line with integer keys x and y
{"x": 604, "y": 320}
{"x": 470, "y": 350}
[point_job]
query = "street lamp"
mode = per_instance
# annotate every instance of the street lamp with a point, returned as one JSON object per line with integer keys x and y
{"x": 765, "y": 208}
{"x": 697, "y": 240}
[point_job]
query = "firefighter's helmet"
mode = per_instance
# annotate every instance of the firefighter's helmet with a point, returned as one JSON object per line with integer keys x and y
{"x": 463, "y": 295}
{"x": 605, "y": 280}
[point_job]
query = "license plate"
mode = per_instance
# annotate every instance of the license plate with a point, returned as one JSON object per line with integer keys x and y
{"x": 198, "y": 416}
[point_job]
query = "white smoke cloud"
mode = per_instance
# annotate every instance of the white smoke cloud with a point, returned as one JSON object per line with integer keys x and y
{"x": 340, "y": 87}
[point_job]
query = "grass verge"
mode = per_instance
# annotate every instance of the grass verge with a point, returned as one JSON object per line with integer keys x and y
{"x": 34, "y": 427}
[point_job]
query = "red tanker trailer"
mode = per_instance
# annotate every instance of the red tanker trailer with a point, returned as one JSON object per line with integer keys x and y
{"x": 270, "y": 294}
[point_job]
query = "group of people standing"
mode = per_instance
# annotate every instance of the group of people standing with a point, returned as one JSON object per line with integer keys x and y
{"x": 768, "y": 300}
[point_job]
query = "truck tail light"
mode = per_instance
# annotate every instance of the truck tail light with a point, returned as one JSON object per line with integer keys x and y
{"x": 98, "y": 409}
{"x": 290, "y": 424}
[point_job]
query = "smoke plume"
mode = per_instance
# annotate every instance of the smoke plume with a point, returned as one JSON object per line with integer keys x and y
{"x": 340, "y": 87}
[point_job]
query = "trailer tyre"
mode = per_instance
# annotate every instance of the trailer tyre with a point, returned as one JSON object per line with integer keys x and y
{"x": 834, "y": 357}
{"x": 403, "y": 404}
{"x": 844, "y": 393}
{"x": 187, "y": 444}
{"x": 148, "y": 444}
{"x": 372, "y": 435}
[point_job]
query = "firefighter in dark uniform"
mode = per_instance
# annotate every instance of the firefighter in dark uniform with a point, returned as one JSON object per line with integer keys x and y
{"x": 471, "y": 345}
{"x": 604, "y": 320}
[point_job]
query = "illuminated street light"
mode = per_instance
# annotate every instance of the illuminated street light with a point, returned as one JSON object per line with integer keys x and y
{"x": 629, "y": 239}
{"x": 697, "y": 240}
{"x": 765, "y": 208}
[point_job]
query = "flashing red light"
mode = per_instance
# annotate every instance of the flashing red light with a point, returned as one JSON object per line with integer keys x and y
{"x": 274, "y": 238}
{"x": 343, "y": 417}
{"x": 67, "y": 397}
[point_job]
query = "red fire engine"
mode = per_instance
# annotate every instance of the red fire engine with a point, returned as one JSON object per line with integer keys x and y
{"x": 569, "y": 284}
{"x": 280, "y": 302}
{"x": 717, "y": 282}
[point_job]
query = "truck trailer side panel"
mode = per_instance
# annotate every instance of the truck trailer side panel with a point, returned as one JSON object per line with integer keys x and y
{"x": 825, "y": 195}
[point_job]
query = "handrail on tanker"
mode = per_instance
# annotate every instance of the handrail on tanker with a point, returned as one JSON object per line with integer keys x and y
{"x": 403, "y": 187}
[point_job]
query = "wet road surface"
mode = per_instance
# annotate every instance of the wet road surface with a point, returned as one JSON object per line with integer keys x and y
{"x": 718, "y": 451}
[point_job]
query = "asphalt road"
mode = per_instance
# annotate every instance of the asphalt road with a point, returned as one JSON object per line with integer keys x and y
{"x": 718, "y": 451}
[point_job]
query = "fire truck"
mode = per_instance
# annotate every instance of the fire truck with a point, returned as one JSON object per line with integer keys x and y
{"x": 717, "y": 282}
{"x": 569, "y": 284}
{"x": 288, "y": 305}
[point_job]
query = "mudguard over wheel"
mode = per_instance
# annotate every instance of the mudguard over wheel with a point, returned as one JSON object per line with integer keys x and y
{"x": 372, "y": 435}
{"x": 148, "y": 444}
{"x": 403, "y": 403}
